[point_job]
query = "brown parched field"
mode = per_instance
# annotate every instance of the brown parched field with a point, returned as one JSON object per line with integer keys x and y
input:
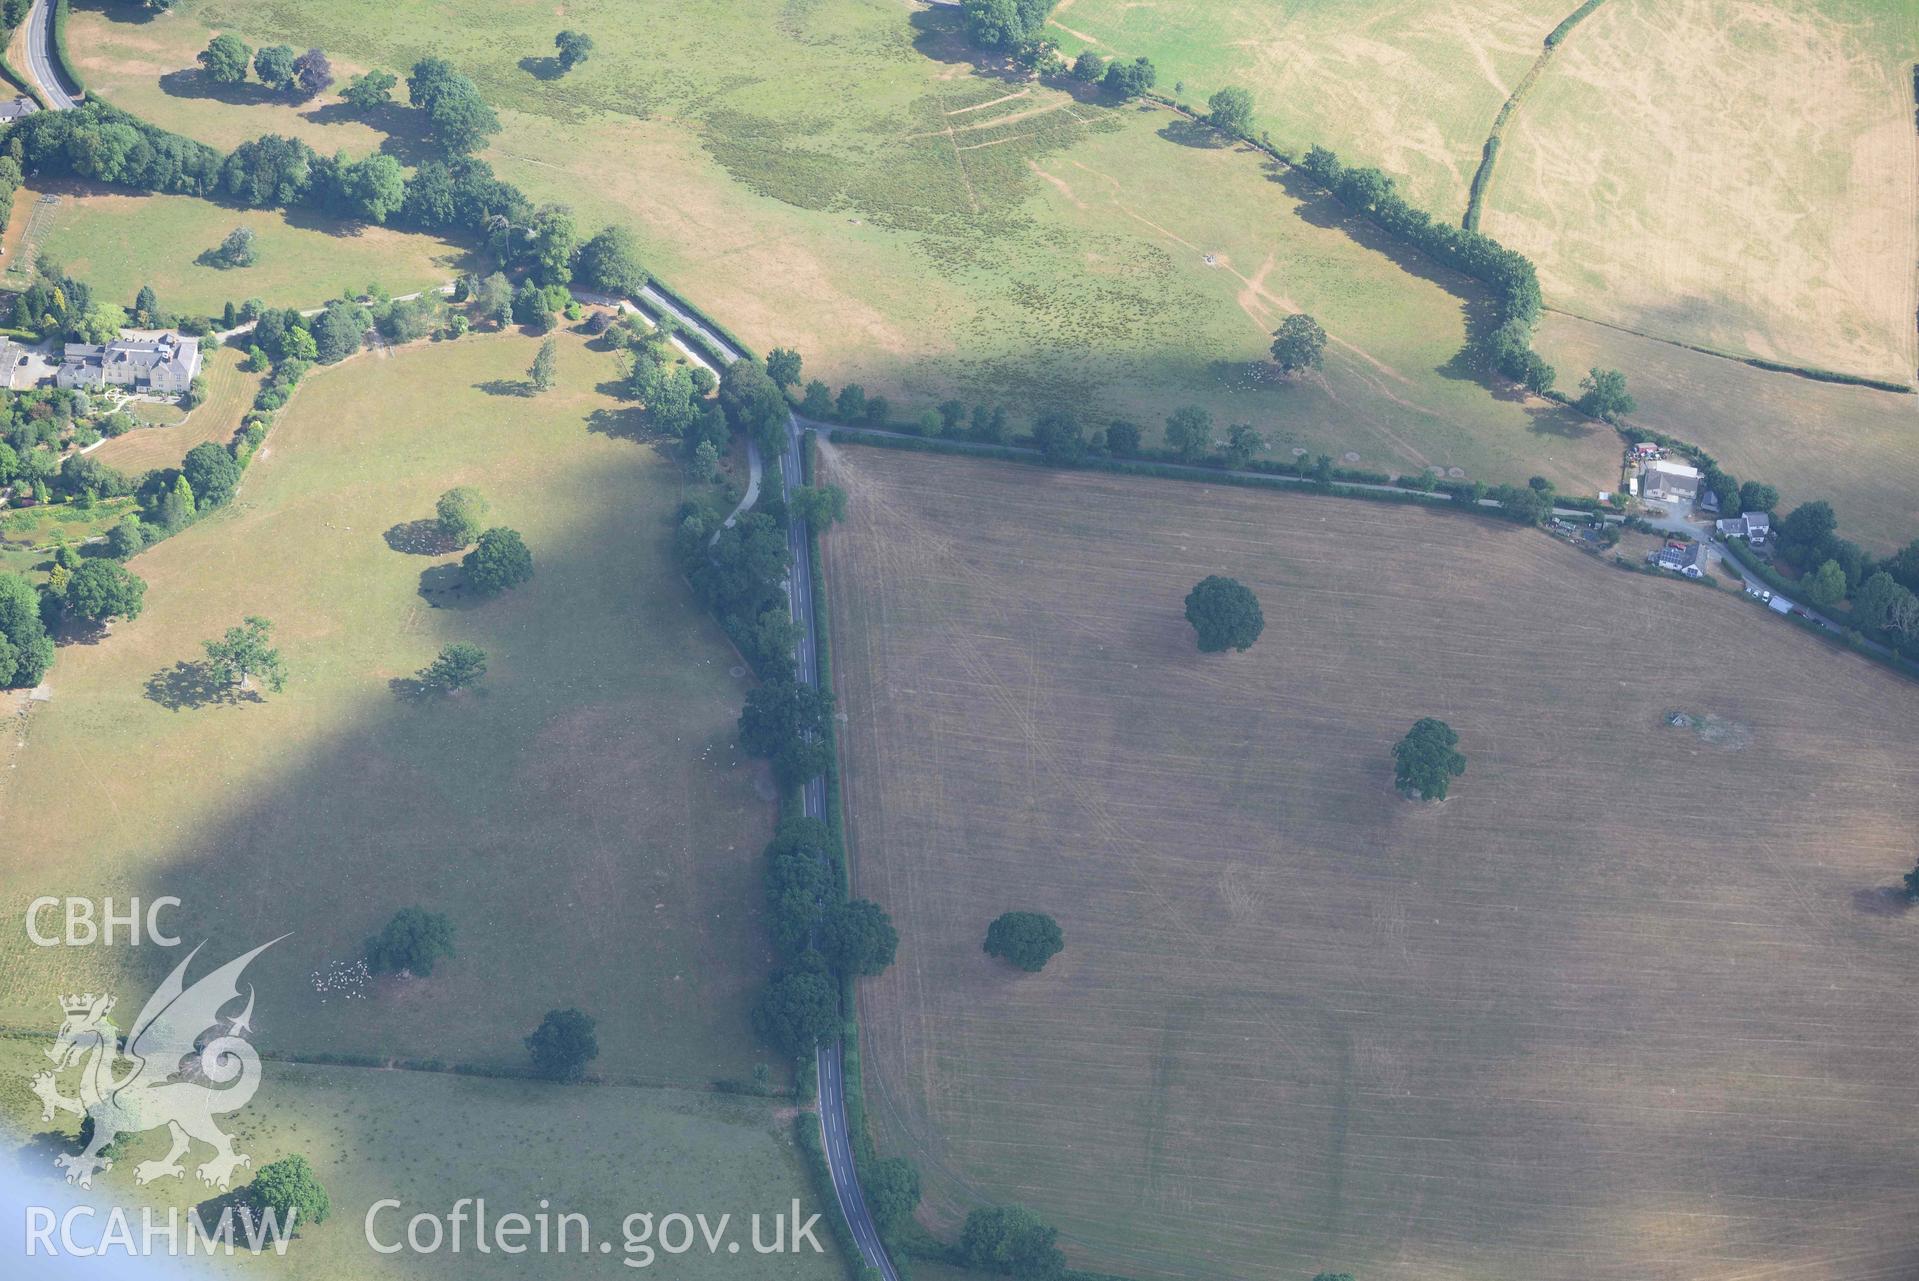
{"x": 1633, "y": 1003}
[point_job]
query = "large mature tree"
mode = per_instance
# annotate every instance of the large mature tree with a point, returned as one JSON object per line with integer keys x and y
{"x": 1299, "y": 344}
{"x": 462, "y": 514}
{"x": 370, "y": 91}
{"x": 1242, "y": 443}
{"x": 237, "y": 250}
{"x": 460, "y": 119}
{"x": 224, "y": 60}
{"x": 1011, "y": 1241}
{"x": 1807, "y": 530}
{"x": 574, "y": 47}
{"x": 244, "y": 653}
{"x": 274, "y": 66}
{"x": 783, "y": 366}
{"x": 312, "y": 75}
{"x": 26, "y": 651}
{"x": 414, "y": 941}
{"x": 1004, "y": 24}
{"x": 1060, "y": 436}
{"x": 102, "y": 590}
{"x": 820, "y": 506}
{"x": 500, "y": 560}
{"x": 892, "y": 1186}
{"x": 797, "y": 1009}
{"x": 457, "y": 666}
{"x": 1757, "y": 497}
{"x": 610, "y": 262}
{"x": 1230, "y": 110}
{"x": 1190, "y": 431}
{"x": 1603, "y": 395}
{"x": 858, "y": 937}
{"x": 785, "y": 722}
{"x": 1225, "y": 614}
{"x": 1427, "y": 760}
{"x": 1827, "y": 584}
{"x": 754, "y": 404}
{"x": 290, "y": 1191}
{"x": 1129, "y": 80}
{"x": 1026, "y": 939}
{"x": 214, "y": 475}
{"x": 563, "y": 1045}
{"x": 374, "y": 188}
{"x": 545, "y": 372}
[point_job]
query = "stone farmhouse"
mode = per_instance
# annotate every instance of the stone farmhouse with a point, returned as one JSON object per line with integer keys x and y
{"x": 162, "y": 363}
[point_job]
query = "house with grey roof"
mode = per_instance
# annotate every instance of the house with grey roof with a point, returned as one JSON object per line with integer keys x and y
{"x": 1754, "y": 527}
{"x": 1682, "y": 558}
{"x": 1673, "y": 481}
{"x": 18, "y": 109}
{"x": 161, "y": 363}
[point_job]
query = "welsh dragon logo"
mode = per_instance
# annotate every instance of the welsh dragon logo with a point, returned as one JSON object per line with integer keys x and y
{"x": 158, "y": 1087}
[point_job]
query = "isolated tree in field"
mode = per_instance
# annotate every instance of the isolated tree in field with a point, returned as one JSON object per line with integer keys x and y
{"x": 1230, "y": 111}
{"x": 545, "y": 371}
{"x": 892, "y": 1187}
{"x": 462, "y": 514}
{"x": 610, "y": 263}
{"x": 1009, "y": 1240}
{"x": 1242, "y": 442}
{"x": 458, "y": 666}
{"x": 237, "y": 250}
{"x": 796, "y": 1010}
{"x": 1299, "y": 344}
{"x": 290, "y": 1191}
{"x": 244, "y": 653}
{"x": 1026, "y": 939}
{"x": 460, "y": 119}
{"x": 1603, "y": 395}
{"x": 369, "y": 92}
{"x": 563, "y": 1045}
{"x": 499, "y": 561}
{"x": 312, "y": 75}
{"x": 1225, "y": 614}
{"x": 224, "y": 60}
{"x": 1190, "y": 431}
{"x": 414, "y": 941}
{"x": 1088, "y": 67}
{"x": 820, "y": 506}
{"x": 1426, "y": 761}
{"x": 859, "y": 938}
{"x": 574, "y": 46}
{"x": 102, "y": 590}
{"x": 783, "y": 367}
{"x": 274, "y": 66}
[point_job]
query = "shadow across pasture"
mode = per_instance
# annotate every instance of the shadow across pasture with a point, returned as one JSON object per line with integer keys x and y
{"x": 194, "y": 83}
{"x": 1881, "y": 900}
{"x": 420, "y": 538}
{"x": 187, "y": 685}
{"x": 444, "y": 587}
{"x": 541, "y": 67}
{"x": 505, "y": 387}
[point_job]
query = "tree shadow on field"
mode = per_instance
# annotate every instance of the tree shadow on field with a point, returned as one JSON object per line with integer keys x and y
{"x": 188, "y": 685}
{"x": 621, "y": 424}
{"x": 542, "y": 67}
{"x": 192, "y": 82}
{"x": 127, "y": 11}
{"x": 1882, "y": 900}
{"x": 420, "y": 538}
{"x": 444, "y": 587}
{"x": 939, "y": 36}
{"x": 505, "y": 387}
{"x": 1191, "y": 133}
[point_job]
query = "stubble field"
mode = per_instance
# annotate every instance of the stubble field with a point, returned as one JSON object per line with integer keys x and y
{"x": 942, "y": 229}
{"x": 1631, "y": 1004}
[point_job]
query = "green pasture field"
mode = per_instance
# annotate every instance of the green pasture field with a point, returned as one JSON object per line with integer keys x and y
{"x": 583, "y": 815}
{"x": 117, "y": 242}
{"x": 1730, "y": 173}
{"x": 1409, "y": 86}
{"x": 940, "y": 230}
{"x": 430, "y": 1139}
{"x": 1634, "y": 1001}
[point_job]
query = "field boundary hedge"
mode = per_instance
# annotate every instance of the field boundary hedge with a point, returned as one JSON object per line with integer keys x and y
{"x": 1489, "y": 154}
